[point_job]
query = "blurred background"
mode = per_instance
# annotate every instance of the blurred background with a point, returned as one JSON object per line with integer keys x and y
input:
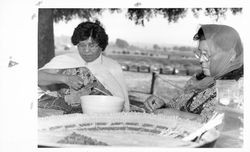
{"x": 143, "y": 41}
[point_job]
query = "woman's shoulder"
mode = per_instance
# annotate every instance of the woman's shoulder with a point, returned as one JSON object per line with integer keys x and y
{"x": 64, "y": 61}
{"x": 111, "y": 62}
{"x": 234, "y": 75}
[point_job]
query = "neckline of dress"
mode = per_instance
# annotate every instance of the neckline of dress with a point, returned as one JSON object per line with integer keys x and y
{"x": 99, "y": 60}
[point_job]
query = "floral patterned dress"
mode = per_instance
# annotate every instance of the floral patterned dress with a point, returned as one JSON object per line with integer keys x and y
{"x": 202, "y": 103}
{"x": 63, "y": 97}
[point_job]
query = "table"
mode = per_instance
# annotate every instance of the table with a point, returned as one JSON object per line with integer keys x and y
{"x": 230, "y": 136}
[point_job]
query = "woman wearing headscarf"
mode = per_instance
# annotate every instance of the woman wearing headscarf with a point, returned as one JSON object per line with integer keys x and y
{"x": 88, "y": 72}
{"x": 220, "y": 53}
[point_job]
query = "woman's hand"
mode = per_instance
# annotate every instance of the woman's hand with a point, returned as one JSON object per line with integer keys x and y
{"x": 152, "y": 103}
{"x": 74, "y": 81}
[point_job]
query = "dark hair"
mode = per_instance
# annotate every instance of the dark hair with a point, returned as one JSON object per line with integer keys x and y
{"x": 86, "y": 29}
{"x": 199, "y": 35}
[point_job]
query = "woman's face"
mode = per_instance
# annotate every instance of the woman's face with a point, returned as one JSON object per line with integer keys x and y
{"x": 203, "y": 54}
{"x": 210, "y": 57}
{"x": 89, "y": 50}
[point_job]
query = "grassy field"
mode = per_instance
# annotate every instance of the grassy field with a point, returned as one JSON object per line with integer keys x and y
{"x": 139, "y": 85}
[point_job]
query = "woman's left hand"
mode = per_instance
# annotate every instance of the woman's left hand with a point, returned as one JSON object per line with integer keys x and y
{"x": 152, "y": 103}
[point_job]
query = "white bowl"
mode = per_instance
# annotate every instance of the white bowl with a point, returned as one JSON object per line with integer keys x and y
{"x": 101, "y": 104}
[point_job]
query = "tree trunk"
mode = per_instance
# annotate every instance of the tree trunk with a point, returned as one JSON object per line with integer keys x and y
{"x": 46, "y": 50}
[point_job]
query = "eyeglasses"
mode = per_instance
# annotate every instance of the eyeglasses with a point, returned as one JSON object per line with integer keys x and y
{"x": 88, "y": 45}
{"x": 201, "y": 55}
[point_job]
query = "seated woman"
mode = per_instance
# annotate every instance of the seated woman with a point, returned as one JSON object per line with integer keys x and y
{"x": 68, "y": 77}
{"x": 220, "y": 53}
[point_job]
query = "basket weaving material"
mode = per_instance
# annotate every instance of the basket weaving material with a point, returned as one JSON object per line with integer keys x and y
{"x": 118, "y": 129}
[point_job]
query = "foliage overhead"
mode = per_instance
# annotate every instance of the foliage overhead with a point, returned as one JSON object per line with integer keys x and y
{"x": 216, "y": 12}
{"x": 69, "y": 14}
{"x": 140, "y": 15}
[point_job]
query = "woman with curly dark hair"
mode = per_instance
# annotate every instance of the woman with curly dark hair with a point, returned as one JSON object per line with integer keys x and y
{"x": 73, "y": 75}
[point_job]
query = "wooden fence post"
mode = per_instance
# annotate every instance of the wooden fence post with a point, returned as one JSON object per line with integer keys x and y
{"x": 154, "y": 76}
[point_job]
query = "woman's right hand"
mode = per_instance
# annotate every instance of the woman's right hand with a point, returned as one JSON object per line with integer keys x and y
{"x": 152, "y": 103}
{"x": 74, "y": 81}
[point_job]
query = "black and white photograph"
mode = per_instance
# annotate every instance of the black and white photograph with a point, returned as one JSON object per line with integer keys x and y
{"x": 131, "y": 76}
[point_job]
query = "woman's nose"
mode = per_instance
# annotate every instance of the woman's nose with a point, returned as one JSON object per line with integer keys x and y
{"x": 87, "y": 49}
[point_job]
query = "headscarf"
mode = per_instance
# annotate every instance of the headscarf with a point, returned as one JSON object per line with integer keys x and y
{"x": 226, "y": 39}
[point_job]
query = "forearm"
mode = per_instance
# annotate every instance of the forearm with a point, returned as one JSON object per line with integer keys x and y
{"x": 45, "y": 78}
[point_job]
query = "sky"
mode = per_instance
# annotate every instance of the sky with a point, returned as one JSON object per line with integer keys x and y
{"x": 156, "y": 31}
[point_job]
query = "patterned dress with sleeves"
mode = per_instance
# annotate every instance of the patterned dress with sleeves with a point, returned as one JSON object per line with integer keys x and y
{"x": 202, "y": 103}
{"x": 65, "y": 97}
